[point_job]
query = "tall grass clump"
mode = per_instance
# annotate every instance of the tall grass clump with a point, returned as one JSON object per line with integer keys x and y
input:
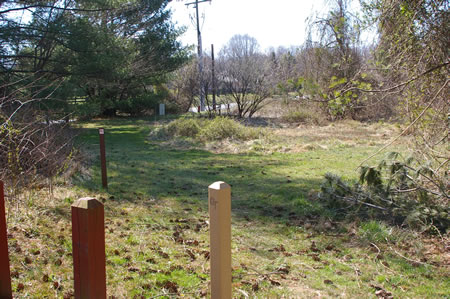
{"x": 304, "y": 116}
{"x": 221, "y": 128}
{"x": 184, "y": 127}
{"x": 216, "y": 129}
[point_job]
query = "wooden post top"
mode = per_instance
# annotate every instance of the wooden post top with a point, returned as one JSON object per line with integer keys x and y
{"x": 219, "y": 186}
{"x": 87, "y": 203}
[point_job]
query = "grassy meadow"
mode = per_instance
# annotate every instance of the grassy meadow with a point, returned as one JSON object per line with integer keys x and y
{"x": 285, "y": 243}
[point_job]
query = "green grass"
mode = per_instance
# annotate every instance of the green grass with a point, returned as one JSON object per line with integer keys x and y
{"x": 374, "y": 231}
{"x": 284, "y": 242}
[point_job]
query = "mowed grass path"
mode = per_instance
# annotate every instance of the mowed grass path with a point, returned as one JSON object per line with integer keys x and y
{"x": 138, "y": 168}
{"x": 285, "y": 244}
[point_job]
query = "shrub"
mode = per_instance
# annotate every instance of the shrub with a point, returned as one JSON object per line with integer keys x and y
{"x": 222, "y": 128}
{"x": 139, "y": 104}
{"x": 32, "y": 151}
{"x": 184, "y": 127}
{"x": 219, "y": 128}
{"x": 86, "y": 109}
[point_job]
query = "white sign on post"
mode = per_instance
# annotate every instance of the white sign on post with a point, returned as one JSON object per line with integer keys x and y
{"x": 101, "y": 131}
{"x": 162, "y": 109}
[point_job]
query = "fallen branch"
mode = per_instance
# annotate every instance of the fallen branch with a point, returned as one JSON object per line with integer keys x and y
{"x": 353, "y": 200}
{"x": 262, "y": 274}
{"x": 411, "y": 260}
{"x": 379, "y": 251}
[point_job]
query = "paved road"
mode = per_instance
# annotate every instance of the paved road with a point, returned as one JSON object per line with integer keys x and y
{"x": 222, "y": 107}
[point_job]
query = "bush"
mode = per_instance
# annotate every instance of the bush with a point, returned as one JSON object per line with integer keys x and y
{"x": 219, "y": 128}
{"x": 222, "y": 128}
{"x": 173, "y": 108}
{"x": 184, "y": 127}
{"x": 86, "y": 109}
{"x": 32, "y": 151}
{"x": 139, "y": 104}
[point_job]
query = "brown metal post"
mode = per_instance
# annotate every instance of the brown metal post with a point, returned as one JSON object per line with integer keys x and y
{"x": 101, "y": 133}
{"x": 219, "y": 198}
{"x": 88, "y": 246}
{"x": 5, "y": 276}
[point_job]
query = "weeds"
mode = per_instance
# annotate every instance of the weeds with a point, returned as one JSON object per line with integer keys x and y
{"x": 375, "y": 231}
{"x": 303, "y": 116}
{"x": 30, "y": 153}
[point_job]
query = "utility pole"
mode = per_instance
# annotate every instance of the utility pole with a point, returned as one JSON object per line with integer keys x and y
{"x": 199, "y": 52}
{"x": 213, "y": 79}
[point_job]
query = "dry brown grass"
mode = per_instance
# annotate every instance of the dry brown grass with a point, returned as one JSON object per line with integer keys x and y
{"x": 287, "y": 138}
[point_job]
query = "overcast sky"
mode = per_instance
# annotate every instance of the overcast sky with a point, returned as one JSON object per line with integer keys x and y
{"x": 273, "y": 23}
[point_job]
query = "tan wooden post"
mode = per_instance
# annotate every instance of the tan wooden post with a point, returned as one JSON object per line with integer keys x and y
{"x": 219, "y": 197}
{"x": 5, "y": 276}
{"x": 88, "y": 245}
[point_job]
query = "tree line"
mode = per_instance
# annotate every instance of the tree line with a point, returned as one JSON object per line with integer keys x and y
{"x": 334, "y": 69}
{"x": 75, "y": 59}
{"x": 106, "y": 52}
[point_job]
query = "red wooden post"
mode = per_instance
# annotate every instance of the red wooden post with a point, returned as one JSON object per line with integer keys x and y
{"x": 88, "y": 245}
{"x": 5, "y": 276}
{"x": 101, "y": 133}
